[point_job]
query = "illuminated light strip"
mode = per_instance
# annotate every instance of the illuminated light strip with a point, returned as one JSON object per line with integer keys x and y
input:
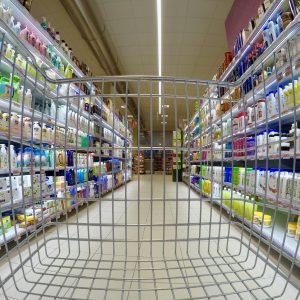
{"x": 159, "y": 51}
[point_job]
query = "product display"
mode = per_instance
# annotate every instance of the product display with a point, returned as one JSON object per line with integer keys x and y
{"x": 251, "y": 129}
{"x": 49, "y": 147}
{"x": 163, "y": 186}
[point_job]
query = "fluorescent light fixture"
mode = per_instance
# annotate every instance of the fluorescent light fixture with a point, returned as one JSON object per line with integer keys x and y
{"x": 159, "y": 51}
{"x": 166, "y": 105}
{"x": 130, "y": 116}
{"x": 164, "y": 122}
{"x": 123, "y": 106}
{"x": 164, "y": 116}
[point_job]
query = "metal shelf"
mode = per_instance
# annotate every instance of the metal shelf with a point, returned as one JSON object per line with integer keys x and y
{"x": 15, "y": 233}
{"x": 288, "y": 248}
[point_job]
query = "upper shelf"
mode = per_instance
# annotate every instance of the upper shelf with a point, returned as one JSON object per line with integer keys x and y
{"x": 252, "y": 38}
{"x": 24, "y": 17}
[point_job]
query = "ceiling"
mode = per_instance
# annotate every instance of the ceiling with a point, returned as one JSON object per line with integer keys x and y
{"x": 194, "y": 39}
{"x": 194, "y": 42}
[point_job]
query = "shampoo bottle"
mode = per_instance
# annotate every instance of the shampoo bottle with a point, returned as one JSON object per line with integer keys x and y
{"x": 28, "y": 98}
{"x": 13, "y": 157}
{"x": 3, "y": 157}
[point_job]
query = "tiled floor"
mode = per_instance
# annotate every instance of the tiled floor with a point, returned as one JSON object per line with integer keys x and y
{"x": 149, "y": 258}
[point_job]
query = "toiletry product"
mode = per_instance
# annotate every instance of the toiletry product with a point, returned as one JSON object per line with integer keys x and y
{"x": 44, "y": 23}
{"x": 292, "y": 226}
{"x": 4, "y": 122}
{"x": 3, "y": 157}
{"x": 17, "y": 28}
{"x": 15, "y": 127}
{"x": 6, "y": 15}
{"x": 13, "y": 157}
{"x": 27, "y": 128}
{"x": 57, "y": 37}
{"x": 28, "y": 98}
{"x": 36, "y": 131}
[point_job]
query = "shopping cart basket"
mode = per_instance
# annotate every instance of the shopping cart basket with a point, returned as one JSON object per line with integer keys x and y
{"x": 79, "y": 229}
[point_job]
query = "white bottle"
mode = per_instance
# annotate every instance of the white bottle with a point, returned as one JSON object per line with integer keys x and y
{"x": 27, "y": 128}
{"x": 17, "y": 28}
{"x": 44, "y": 134}
{"x": 13, "y": 157}
{"x": 6, "y": 15}
{"x": 36, "y": 131}
{"x": 21, "y": 94}
{"x": 53, "y": 110}
{"x": 28, "y": 98}
{"x": 15, "y": 124}
{"x": 292, "y": 136}
{"x": 3, "y": 157}
{"x": 50, "y": 135}
{"x": 281, "y": 99}
{"x": 11, "y": 22}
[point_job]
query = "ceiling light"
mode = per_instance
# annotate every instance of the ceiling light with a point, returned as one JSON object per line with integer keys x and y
{"x": 166, "y": 105}
{"x": 123, "y": 106}
{"x": 164, "y": 122}
{"x": 159, "y": 51}
{"x": 164, "y": 116}
{"x": 130, "y": 116}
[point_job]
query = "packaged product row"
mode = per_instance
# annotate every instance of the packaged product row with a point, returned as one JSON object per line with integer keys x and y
{"x": 46, "y": 49}
{"x": 268, "y": 143}
{"x": 12, "y": 87}
{"x": 267, "y": 182}
{"x": 242, "y": 206}
{"x": 294, "y": 229}
{"x": 254, "y": 115}
{"x": 14, "y": 188}
{"x": 29, "y": 157}
{"x": 269, "y": 33}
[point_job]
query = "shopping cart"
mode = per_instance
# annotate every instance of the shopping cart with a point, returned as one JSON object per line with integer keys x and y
{"x": 154, "y": 237}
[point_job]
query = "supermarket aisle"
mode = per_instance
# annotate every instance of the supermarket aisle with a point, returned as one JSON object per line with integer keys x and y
{"x": 88, "y": 263}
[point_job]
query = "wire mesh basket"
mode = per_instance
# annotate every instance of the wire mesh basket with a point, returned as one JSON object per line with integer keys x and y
{"x": 81, "y": 230}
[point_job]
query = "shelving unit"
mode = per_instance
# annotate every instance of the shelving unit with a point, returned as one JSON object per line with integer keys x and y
{"x": 207, "y": 144}
{"x": 72, "y": 99}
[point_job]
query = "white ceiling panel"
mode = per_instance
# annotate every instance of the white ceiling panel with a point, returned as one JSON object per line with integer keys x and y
{"x": 193, "y": 36}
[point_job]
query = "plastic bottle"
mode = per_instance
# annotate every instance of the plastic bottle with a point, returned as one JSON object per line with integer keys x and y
{"x": 19, "y": 158}
{"x": 27, "y": 157}
{"x": 261, "y": 110}
{"x": 44, "y": 134}
{"x": 6, "y": 14}
{"x": 4, "y": 122}
{"x": 21, "y": 94}
{"x": 36, "y": 131}
{"x": 57, "y": 37}
{"x": 17, "y": 28}
{"x": 3, "y": 157}
{"x": 290, "y": 95}
{"x": 28, "y": 98}
{"x": 36, "y": 157}
{"x": 44, "y": 23}
{"x": 24, "y": 33}
{"x": 297, "y": 91}
{"x": 13, "y": 157}
{"x": 27, "y": 128}
{"x": 15, "y": 124}
{"x": 292, "y": 136}
{"x": 11, "y": 22}
{"x": 49, "y": 135}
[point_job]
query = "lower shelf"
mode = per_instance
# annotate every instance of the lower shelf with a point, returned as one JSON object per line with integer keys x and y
{"x": 15, "y": 232}
{"x": 279, "y": 241}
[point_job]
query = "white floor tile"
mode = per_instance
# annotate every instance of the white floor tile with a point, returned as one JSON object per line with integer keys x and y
{"x": 78, "y": 265}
